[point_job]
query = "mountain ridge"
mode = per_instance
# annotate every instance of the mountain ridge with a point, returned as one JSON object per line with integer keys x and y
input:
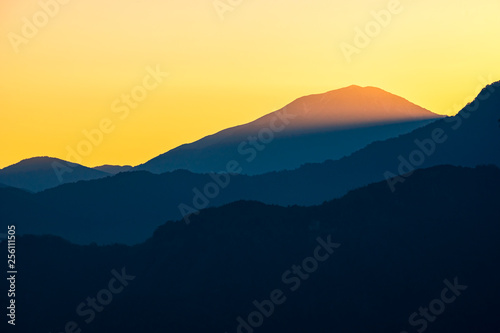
{"x": 311, "y": 128}
{"x": 234, "y": 256}
{"x": 113, "y": 169}
{"x": 304, "y": 137}
{"x": 40, "y": 173}
{"x": 121, "y": 200}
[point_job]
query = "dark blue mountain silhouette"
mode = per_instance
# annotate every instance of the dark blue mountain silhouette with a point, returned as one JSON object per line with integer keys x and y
{"x": 311, "y": 129}
{"x": 113, "y": 169}
{"x": 126, "y": 208}
{"x": 40, "y": 173}
{"x": 396, "y": 249}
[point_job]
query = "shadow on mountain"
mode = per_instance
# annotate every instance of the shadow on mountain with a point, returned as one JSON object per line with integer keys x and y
{"x": 311, "y": 129}
{"x": 108, "y": 210}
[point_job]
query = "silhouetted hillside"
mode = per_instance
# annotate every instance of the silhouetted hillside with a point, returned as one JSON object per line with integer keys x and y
{"x": 40, "y": 173}
{"x": 389, "y": 254}
{"x": 113, "y": 169}
{"x": 312, "y": 129}
{"x": 107, "y": 210}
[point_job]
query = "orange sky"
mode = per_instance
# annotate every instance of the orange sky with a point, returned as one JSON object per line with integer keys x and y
{"x": 64, "y": 77}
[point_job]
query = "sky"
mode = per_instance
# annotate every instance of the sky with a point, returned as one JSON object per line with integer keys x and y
{"x": 122, "y": 81}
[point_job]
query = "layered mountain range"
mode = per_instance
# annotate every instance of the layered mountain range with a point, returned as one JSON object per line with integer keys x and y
{"x": 365, "y": 263}
{"x": 399, "y": 235}
{"x": 127, "y": 208}
{"x": 312, "y": 129}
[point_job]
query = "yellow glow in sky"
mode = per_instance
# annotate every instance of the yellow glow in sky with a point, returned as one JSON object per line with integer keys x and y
{"x": 66, "y": 63}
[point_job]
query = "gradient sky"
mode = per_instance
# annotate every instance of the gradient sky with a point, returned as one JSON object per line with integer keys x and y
{"x": 222, "y": 73}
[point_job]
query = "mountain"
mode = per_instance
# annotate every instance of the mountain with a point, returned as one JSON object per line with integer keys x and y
{"x": 311, "y": 129}
{"x": 131, "y": 205}
{"x": 113, "y": 169}
{"x": 40, "y": 173}
{"x": 425, "y": 256}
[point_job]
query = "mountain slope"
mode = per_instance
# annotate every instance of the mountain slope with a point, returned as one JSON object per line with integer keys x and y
{"x": 113, "y": 169}
{"x": 391, "y": 253}
{"x": 311, "y": 129}
{"x": 40, "y": 173}
{"x": 131, "y": 205}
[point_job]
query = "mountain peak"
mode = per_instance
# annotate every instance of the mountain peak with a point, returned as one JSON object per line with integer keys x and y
{"x": 34, "y": 163}
{"x": 353, "y": 106}
{"x": 39, "y": 173}
{"x": 113, "y": 169}
{"x": 312, "y": 128}
{"x": 359, "y": 88}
